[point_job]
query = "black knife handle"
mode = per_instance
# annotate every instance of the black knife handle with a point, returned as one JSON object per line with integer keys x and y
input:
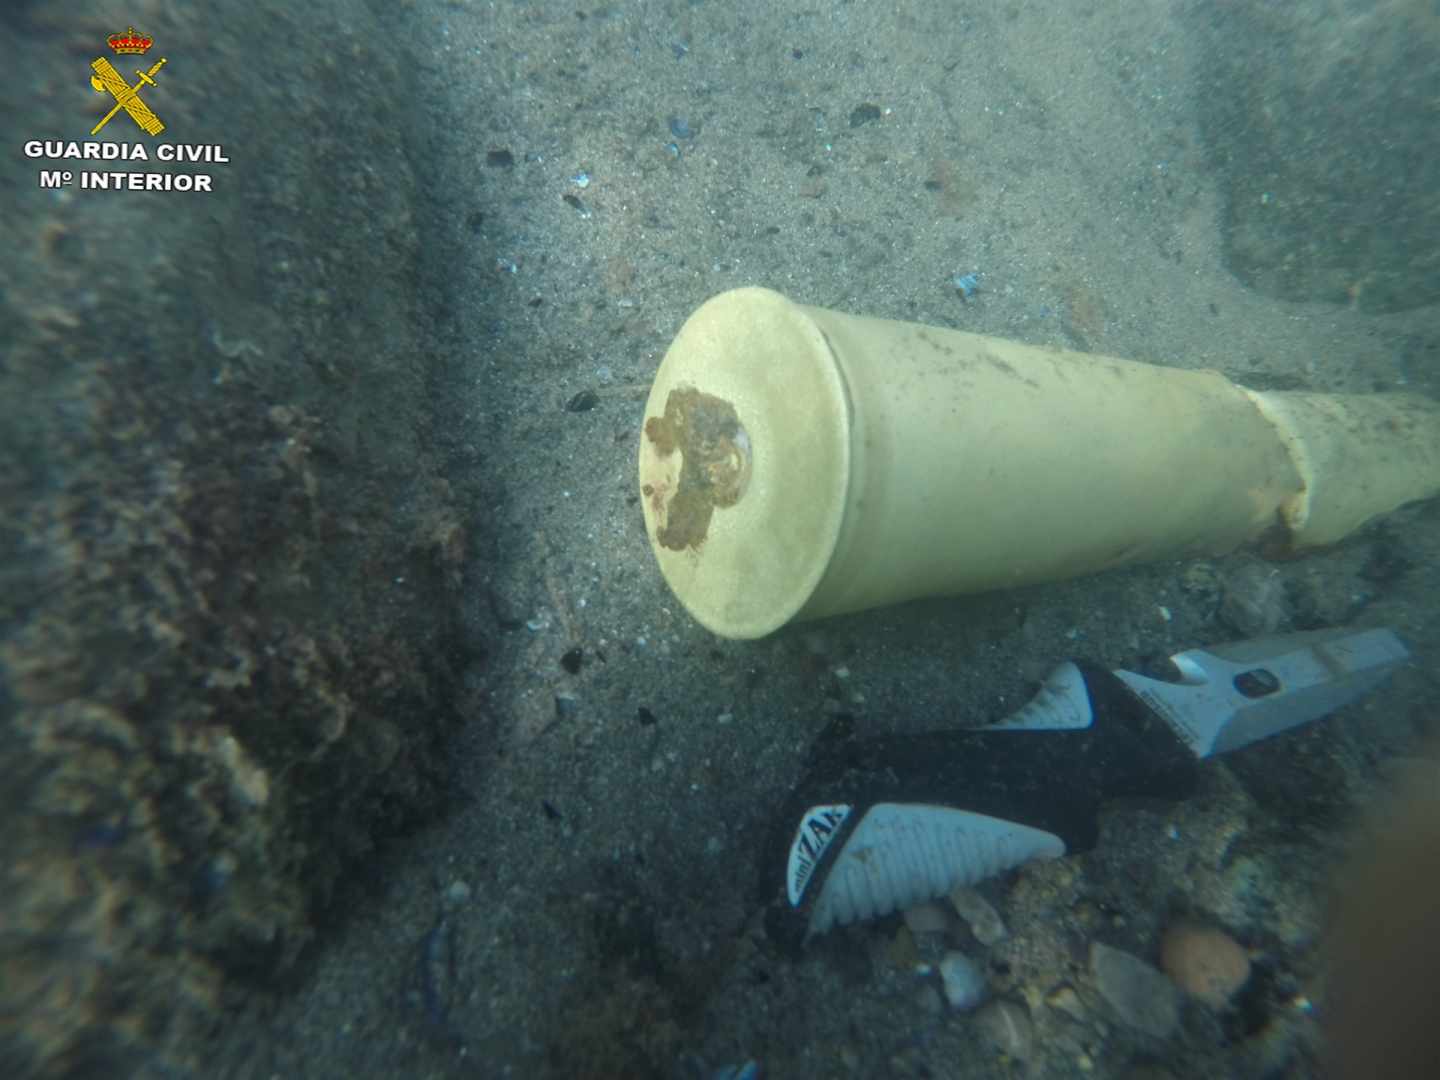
{"x": 1053, "y": 781}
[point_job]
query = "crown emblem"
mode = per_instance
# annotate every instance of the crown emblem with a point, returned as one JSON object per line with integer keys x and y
{"x": 130, "y": 42}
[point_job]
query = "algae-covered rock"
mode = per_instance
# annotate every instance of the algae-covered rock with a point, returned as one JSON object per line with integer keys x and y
{"x": 223, "y": 544}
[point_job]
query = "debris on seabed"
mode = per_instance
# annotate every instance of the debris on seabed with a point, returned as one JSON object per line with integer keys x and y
{"x": 968, "y": 284}
{"x": 437, "y": 978}
{"x": 584, "y": 401}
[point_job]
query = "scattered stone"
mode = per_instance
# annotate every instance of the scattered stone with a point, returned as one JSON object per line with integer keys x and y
{"x": 1064, "y": 999}
{"x": 984, "y": 922}
{"x": 1201, "y": 582}
{"x": 963, "y": 979}
{"x": 901, "y": 952}
{"x": 1006, "y": 1025}
{"x": 864, "y": 114}
{"x": 1253, "y": 599}
{"x": 1204, "y": 961}
{"x": 584, "y": 401}
{"x": 927, "y": 1000}
{"x": 458, "y": 892}
{"x": 927, "y": 918}
{"x": 1142, "y": 997}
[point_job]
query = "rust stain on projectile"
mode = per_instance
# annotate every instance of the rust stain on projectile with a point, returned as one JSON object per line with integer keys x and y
{"x": 714, "y": 466}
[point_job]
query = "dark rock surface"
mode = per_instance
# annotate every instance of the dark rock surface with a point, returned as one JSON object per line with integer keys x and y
{"x": 222, "y": 674}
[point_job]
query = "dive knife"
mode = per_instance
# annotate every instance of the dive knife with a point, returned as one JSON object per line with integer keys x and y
{"x": 879, "y": 824}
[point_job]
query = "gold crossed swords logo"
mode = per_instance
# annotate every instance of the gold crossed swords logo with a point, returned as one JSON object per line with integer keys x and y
{"x": 127, "y": 97}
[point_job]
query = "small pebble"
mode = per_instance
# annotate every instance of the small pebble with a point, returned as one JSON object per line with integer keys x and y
{"x": 1205, "y": 962}
{"x": 1253, "y": 599}
{"x": 1065, "y": 1000}
{"x": 963, "y": 980}
{"x": 984, "y": 922}
{"x": 927, "y": 1000}
{"x": 968, "y": 284}
{"x": 927, "y": 918}
{"x": 864, "y": 114}
{"x": 1007, "y": 1026}
{"x": 457, "y": 893}
{"x": 1142, "y": 997}
{"x": 900, "y": 952}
